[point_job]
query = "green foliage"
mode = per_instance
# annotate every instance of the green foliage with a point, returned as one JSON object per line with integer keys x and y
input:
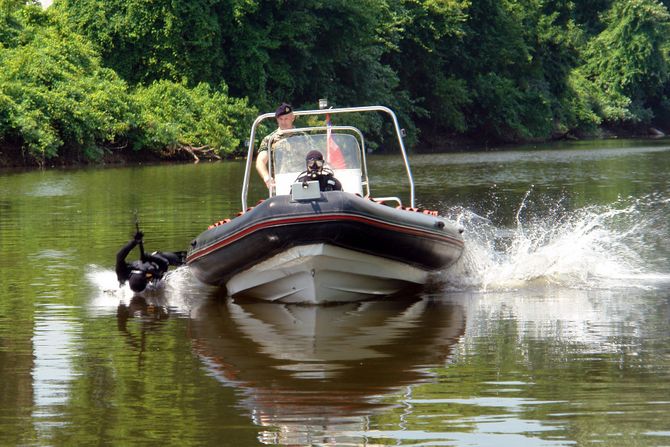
{"x": 261, "y": 49}
{"x": 499, "y": 60}
{"x": 310, "y": 50}
{"x": 173, "y": 116}
{"x": 628, "y": 60}
{"x": 58, "y": 100}
{"x": 579, "y": 111}
{"x": 91, "y": 74}
{"x": 9, "y": 26}
{"x": 426, "y": 33}
{"x": 508, "y": 113}
{"x": 147, "y": 41}
{"x": 331, "y": 50}
{"x": 56, "y": 95}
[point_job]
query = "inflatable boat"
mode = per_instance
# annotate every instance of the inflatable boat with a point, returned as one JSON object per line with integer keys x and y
{"x": 305, "y": 245}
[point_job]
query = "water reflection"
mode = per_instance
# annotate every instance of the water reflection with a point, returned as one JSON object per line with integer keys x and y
{"x": 55, "y": 336}
{"x": 555, "y": 365}
{"x": 596, "y": 321}
{"x": 148, "y": 316}
{"x": 561, "y": 320}
{"x": 312, "y": 372}
{"x": 420, "y": 371}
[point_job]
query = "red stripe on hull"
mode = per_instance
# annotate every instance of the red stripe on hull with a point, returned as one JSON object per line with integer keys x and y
{"x": 320, "y": 218}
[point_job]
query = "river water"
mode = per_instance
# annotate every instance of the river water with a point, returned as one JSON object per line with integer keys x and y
{"x": 553, "y": 329}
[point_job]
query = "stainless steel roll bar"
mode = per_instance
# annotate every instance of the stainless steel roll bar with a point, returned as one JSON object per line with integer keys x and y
{"x": 265, "y": 116}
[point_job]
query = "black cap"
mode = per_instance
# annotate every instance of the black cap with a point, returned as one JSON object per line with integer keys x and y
{"x": 314, "y": 155}
{"x": 283, "y": 109}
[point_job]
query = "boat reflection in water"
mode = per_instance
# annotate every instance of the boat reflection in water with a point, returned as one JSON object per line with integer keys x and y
{"x": 311, "y": 372}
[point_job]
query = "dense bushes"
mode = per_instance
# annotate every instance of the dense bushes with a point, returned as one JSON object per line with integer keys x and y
{"x": 628, "y": 61}
{"x": 58, "y": 100}
{"x": 55, "y": 95}
{"x": 501, "y": 70}
{"x": 90, "y": 76}
{"x": 172, "y": 116}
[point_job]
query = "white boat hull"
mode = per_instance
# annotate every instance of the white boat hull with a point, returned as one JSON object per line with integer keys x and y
{"x": 321, "y": 273}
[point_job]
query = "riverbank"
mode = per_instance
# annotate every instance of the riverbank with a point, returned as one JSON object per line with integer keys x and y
{"x": 12, "y": 156}
{"x": 462, "y": 143}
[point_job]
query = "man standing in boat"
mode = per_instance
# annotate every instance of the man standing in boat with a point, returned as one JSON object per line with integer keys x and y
{"x": 285, "y": 118}
{"x": 316, "y": 171}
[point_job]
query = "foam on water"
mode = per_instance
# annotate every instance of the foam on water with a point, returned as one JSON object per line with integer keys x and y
{"x": 624, "y": 244}
{"x": 594, "y": 247}
{"x": 179, "y": 290}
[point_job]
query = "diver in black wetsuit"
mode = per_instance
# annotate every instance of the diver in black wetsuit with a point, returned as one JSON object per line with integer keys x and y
{"x": 316, "y": 171}
{"x": 149, "y": 268}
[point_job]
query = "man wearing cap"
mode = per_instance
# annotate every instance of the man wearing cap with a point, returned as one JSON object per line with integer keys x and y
{"x": 316, "y": 171}
{"x": 285, "y": 117}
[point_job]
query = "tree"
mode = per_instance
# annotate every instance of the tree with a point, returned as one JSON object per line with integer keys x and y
{"x": 308, "y": 50}
{"x": 173, "y": 117}
{"x": 266, "y": 50}
{"x": 303, "y": 50}
{"x": 628, "y": 61}
{"x": 147, "y": 41}
{"x": 57, "y": 100}
{"x": 55, "y": 95}
{"x": 421, "y": 43}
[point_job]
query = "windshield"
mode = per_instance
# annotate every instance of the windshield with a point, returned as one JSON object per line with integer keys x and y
{"x": 358, "y": 174}
{"x": 341, "y": 151}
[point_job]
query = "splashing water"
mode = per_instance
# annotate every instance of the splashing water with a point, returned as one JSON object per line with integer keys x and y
{"x": 595, "y": 247}
{"x": 620, "y": 245}
{"x": 178, "y": 290}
